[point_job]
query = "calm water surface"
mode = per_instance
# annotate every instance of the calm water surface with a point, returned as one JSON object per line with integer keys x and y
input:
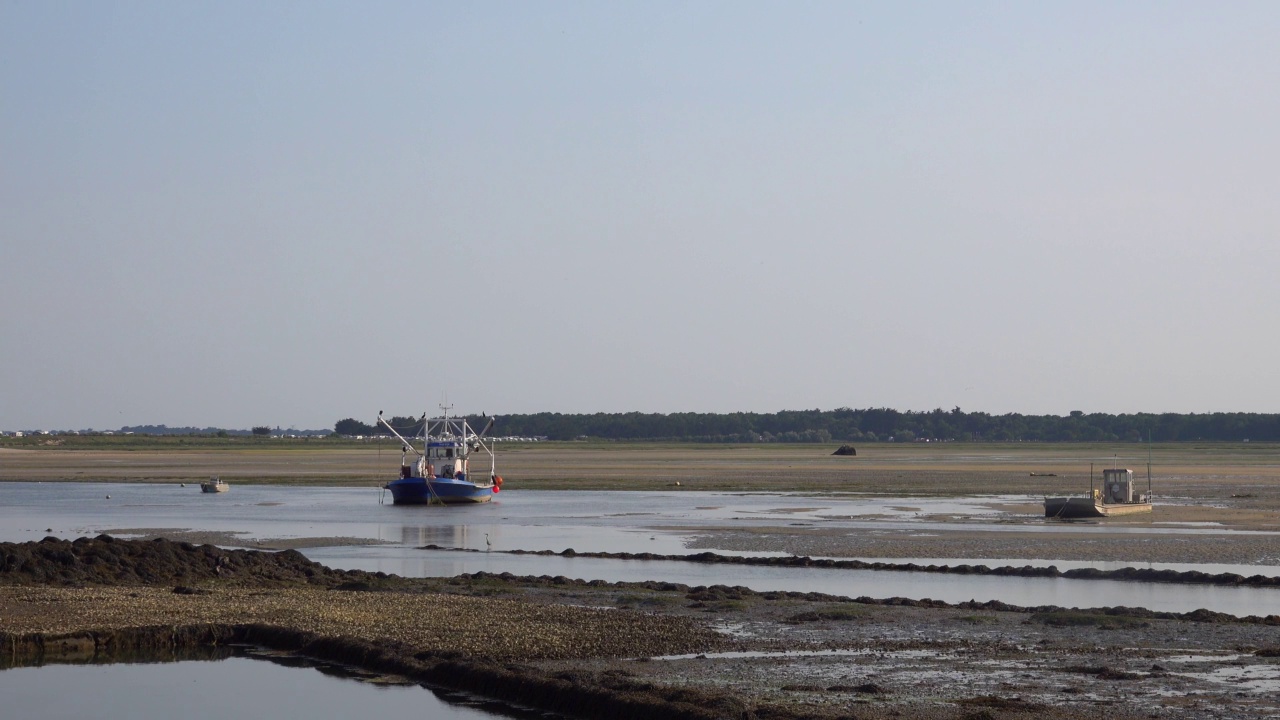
{"x": 659, "y": 522}
{"x": 237, "y": 687}
{"x": 528, "y": 519}
{"x": 1027, "y": 592}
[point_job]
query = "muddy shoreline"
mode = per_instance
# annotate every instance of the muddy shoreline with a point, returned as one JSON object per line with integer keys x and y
{"x": 501, "y": 682}
{"x": 241, "y": 540}
{"x": 638, "y": 650}
{"x": 1190, "y": 577}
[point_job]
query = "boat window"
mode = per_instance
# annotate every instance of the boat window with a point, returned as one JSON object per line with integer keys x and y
{"x": 448, "y": 452}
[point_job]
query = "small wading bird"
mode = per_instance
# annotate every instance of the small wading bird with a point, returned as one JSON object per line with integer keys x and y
{"x": 487, "y": 543}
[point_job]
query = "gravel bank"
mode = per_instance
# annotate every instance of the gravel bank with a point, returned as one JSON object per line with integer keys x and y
{"x": 490, "y": 628}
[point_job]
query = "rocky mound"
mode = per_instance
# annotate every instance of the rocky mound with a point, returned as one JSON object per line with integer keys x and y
{"x": 105, "y": 560}
{"x": 846, "y": 450}
{"x": 1194, "y": 577}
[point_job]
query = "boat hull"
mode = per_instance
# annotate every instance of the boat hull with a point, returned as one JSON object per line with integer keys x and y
{"x": 1083, "y": 507}
{"x": 419, "y": 491}
{"x": 213, "y": 487}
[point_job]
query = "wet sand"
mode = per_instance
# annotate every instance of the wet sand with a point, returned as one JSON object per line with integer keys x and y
{"x": 847, "y": 659}
{"x": 899, "y": 659}
{"x": 656, "y": 648}
{"x": 240, "y": 540}
{"x": 922, "y": 542}
{"x": 1222, "y": 485}
{"x": 1222, "y": 471}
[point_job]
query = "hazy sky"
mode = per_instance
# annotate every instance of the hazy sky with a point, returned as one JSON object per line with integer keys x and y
{"x": 288, "y": 213}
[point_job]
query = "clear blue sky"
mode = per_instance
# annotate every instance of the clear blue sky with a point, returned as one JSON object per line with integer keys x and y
{"x": 287, "y": 213}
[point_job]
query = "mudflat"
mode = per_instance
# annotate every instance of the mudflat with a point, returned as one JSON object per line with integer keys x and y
{"x": 1226, "y": 485}
{"x": 650, "y": 649}
{"x": 638, "y": 650}
{"x": 1214, "y": 470}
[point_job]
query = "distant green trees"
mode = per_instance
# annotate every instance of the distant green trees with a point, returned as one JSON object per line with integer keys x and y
{"x": 407, "y": 426}
{"x": 261, "y": 431}
{"x": 867, "y": 425}
{"x": 351, "y": 426}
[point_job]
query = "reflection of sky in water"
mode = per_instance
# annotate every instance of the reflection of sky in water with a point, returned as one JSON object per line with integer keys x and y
{"x": 1026, "y": 592}
{"x": 554, "y": 520}
{"x": 1261, "y": 678}
{"x": 198, "y": 690}
{"x": 657, "y": 522}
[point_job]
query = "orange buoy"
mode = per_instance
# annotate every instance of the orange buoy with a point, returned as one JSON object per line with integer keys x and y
{"x": 497, "y": 481}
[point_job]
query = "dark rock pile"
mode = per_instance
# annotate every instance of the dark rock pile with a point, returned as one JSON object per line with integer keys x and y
{"x": 845, "y": 450}
{"x": 1192, "y": 577}
{"x": 105, "y": 560}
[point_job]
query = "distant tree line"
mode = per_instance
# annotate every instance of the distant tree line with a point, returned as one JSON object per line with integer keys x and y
{"x": 869, "y": 425}
{"x": 406, "y": 426}
{"x": 257, "y": 430}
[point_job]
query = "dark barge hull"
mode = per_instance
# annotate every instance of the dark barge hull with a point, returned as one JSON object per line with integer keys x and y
{"x": 1084, "y": 507}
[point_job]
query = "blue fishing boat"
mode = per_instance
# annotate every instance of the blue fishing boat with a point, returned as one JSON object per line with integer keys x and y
{"x": 440, "y": 473}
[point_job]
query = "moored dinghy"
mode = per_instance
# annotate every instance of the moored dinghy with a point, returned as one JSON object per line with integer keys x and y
{"x": 440, "y": 473}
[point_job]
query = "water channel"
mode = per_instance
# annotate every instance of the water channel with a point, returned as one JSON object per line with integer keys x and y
{"x": 198, "y": 690}
{"x": 658, "y": 522}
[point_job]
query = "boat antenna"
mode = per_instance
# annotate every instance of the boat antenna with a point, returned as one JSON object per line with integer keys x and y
{"x": 1148, "y": 465}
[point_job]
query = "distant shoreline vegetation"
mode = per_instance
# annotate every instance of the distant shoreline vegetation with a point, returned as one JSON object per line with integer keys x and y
{"x": 869, "y": 425}
{"x": 842, "y": 425}
{"x": 164, "y": 430}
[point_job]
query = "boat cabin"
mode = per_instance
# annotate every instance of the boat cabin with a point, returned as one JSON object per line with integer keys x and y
{"x": 447, "y": 459}
{"x": 442, "y": 459}
{"x": 1117, "y": 487}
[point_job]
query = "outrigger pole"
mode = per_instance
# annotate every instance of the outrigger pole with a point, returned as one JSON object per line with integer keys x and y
{"x": 408, "y": 445}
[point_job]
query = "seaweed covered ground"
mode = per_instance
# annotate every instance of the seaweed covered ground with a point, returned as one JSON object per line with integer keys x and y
{"x": 639, "y": 650}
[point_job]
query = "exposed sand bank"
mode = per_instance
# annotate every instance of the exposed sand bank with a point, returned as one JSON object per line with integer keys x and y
{"x": 1261, "y": 550}
{"x": 240, "y": 540}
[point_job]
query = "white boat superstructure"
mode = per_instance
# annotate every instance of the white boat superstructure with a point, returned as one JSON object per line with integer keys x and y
{"x": 441, "y": 471}
{"x": 1116, "y": 497}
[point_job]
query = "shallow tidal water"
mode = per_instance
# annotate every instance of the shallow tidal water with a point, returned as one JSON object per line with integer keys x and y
{"x": 1026, "y": 592}
{"x": 657, "y": 522}
{"x": 235, "y": 687}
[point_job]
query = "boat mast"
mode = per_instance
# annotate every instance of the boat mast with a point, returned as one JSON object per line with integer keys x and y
{"x": 1148, "y": 466}
{"x": 445, "y": 427}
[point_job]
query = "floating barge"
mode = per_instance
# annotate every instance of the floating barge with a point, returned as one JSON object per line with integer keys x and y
{"x": 1115, "y": 498}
